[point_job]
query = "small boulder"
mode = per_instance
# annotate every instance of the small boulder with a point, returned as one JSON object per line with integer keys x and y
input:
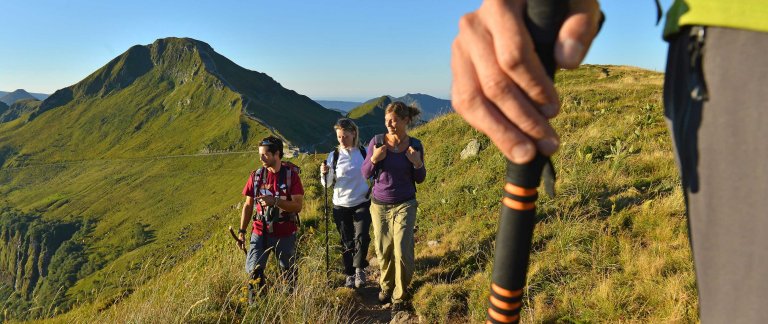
{"x": 471, "y": 150}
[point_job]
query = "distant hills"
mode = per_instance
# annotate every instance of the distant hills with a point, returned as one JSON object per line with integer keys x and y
{"x": 178, "y": 96}
{"x": 370, "y": 114}
{"x": 175, "y": 96}
{"x": 19, "y": 94}
{"x": 38, "y": 96}
{"x": 342, "y": 106}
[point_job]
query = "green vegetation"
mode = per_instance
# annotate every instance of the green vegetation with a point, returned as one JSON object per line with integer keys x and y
{"x": 369, "y": 117}
{"x": 151, "y": 243}
{"x": 19, "y": 108}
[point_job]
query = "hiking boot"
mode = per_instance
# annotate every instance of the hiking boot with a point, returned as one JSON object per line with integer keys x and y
{"x": 384, "y": 297}
{"x": 396, "y": 308}
{"x": 359, "y": 278}
{"x": 350, "y": 282}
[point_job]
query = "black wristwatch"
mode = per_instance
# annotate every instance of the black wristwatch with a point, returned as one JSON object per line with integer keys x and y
{"x": 241, "y": 231}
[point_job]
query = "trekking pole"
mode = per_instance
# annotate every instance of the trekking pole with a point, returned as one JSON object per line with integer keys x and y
{"x": 518, "y": 210}
{"x": 325, "y": 212}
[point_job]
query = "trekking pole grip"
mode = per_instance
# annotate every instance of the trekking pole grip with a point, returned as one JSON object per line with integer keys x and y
{"x": 518, "y": 209}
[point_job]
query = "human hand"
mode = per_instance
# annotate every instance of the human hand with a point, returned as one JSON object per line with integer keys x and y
{"x": 241, "y": 242}
{"x": 324, "y": 168}
{"x": 266, "y": 200}
{"x": 379, "y": 153}
{"x": 499, "y": 85}
{"x": 414, "y": 156}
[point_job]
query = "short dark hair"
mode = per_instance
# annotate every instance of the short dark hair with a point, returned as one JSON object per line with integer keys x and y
{"x": 273, "y": 145}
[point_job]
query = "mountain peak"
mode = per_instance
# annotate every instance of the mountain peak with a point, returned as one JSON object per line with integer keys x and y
{"x": 16, "y": 95}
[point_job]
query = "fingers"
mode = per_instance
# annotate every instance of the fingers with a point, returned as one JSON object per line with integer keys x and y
{"x": 483, "y": 87}
{"x": 513, "y": 51}
{"x": 468, "y": 100}
{"x": 577, "y": 33}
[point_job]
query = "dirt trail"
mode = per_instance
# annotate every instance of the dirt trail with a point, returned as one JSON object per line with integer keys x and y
{"x": 369, "y": 310}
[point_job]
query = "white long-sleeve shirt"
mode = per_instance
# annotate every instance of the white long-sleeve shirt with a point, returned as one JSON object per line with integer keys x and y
{"x": 351, "y": 188}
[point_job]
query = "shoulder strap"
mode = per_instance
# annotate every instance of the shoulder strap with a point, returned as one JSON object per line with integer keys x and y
{"x": 287, "y": 176}
{"x": 363, "y": 152}
{"x": 284, "y": 176}
{"x": 416, "y": 144}
{"x": 258, "y": 177}
{"x": 334, "y": 163}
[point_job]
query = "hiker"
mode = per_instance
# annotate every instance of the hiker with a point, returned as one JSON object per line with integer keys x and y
{"x": 351, "y": 202}
{"x": 276, "y": 192}
{"x": 396, "y": 161}
{"x": 714, "y": 101}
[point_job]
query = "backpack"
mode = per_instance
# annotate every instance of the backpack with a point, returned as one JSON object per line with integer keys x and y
{"x": 336, "y": 161}
{"x": 284, "y": 177}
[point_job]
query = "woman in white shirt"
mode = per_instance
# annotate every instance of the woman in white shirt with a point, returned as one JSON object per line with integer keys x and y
{"x": 351, "y": 202}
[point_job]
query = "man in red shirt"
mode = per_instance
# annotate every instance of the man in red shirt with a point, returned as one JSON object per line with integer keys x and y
{"x": 276, "y": 192}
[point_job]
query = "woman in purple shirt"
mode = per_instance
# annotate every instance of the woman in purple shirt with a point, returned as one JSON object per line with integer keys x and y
{"x": 397, "y": 162}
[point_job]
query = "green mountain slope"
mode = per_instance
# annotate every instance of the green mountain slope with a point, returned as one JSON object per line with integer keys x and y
{"x": 369, "y": 117}
{"x": 175, "y": 96}
{"x": 18, "y": 109}
{"x": 150, "y": 241}
{"x": 127, "y": 129}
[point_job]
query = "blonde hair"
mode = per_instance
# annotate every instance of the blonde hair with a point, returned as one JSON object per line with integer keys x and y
{"x": 346, "y": 124}
{"x": 403, "y": 111}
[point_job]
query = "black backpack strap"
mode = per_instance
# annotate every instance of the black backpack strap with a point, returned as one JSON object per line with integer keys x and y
{"x": 378, "y": 142}
{"x": 370, "y": 185}
{"x": 334, "y": 163}
{"x": 416, "y": 144}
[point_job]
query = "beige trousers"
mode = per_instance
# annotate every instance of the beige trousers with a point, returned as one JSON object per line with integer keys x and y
{"x": 393, "y": 240}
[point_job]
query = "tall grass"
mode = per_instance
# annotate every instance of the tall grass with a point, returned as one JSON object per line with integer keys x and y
{"x": 610, "y": 247}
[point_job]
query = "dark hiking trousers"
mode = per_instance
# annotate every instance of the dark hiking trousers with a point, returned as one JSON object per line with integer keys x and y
{"x": 354, "y": 225}
{"x": 717, "y": 110}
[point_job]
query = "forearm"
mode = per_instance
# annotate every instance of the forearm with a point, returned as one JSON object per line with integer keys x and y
{"x": 245, "y": 216}
{"x": 291, "y": 206}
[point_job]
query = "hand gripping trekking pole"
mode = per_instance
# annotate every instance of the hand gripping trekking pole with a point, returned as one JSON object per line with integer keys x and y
{"x": 325, "y": 212}
{"x": 518, "y": 210}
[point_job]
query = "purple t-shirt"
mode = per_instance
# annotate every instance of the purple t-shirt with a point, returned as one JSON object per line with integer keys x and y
{"x": 396, "y": 179}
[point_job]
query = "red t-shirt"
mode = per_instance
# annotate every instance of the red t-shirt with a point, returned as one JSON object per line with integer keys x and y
{"x": 268, "y": 188}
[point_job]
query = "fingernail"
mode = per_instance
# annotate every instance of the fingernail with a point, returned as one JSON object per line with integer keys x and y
{"x": 548, "y": 146}
{"x": 522, "y": 152}
{"x": 572, "y": 52}
{"x": 549, "y": 110}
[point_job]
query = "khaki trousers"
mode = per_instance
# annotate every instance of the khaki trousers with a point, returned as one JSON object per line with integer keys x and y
{"x": 393, "y": 240}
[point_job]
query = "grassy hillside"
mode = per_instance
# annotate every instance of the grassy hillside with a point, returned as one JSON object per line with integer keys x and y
{"x": 610, "y": 247}
{"x": 175, "y": 96}
{"x": 369, "y": 117}
{"x": 19, "y": 108}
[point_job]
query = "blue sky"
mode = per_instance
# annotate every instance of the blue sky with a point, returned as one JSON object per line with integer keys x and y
{"x": 333, "y": 50}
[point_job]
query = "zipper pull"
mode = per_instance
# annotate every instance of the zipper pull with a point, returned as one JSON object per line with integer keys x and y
{"x": 696, "y": 49}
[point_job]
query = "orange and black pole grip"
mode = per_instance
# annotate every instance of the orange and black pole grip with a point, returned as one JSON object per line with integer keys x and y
{"x": 518, "y": 210}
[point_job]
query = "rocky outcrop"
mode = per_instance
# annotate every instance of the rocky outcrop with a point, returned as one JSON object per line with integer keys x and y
{"x": 27, "y": 245}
